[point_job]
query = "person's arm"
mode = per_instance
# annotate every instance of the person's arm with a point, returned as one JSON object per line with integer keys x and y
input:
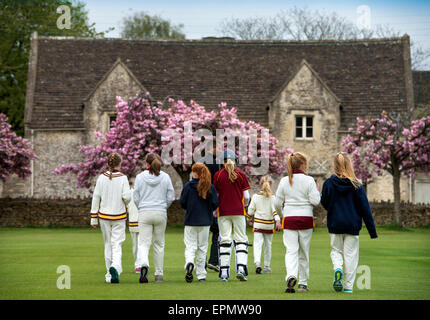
{"x": 279, "y": 198}
{"x": 95, "y": 204}
{"x": 246, "y": 198}
{"x": 170, "y": 194}
{"x": 325, "y": 195}
{"x": 137, "y": 191}
{"x": 214, "y": 198}
{"x": 314, "y": 194}
{"x": 252, "y": 207}
{"x": 184, "y": 197}
{"x": 365, "y": 212}
{"x": 276, "y": 215}
{"x": 126, "y": 191}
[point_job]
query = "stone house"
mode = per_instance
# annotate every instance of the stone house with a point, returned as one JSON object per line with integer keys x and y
{"x": 306, "y": 92}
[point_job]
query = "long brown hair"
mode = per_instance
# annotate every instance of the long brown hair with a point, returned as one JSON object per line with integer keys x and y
{"x": 343, "y": 168}
{"x": 295, "y": 161}
{"x": 154, "y": 162}
{"x": 266, "y": 186}
{"x": 229, "y": 165}
{"x": 204, "y": 185}
{"x": 114, "y": 160}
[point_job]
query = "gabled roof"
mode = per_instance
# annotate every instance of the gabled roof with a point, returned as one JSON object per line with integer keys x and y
{"x": 368, "y": 76}
{"x": 117, "y": 62}
{"x": 306, "y": 64}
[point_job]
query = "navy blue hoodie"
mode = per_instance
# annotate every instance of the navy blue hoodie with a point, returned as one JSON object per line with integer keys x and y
{"x": 346, "y": 207}
{"x": 199, "y": 211}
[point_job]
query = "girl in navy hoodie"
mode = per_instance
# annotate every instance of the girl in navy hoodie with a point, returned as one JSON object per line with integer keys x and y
{"x": 199, "y": 198}
{"x": 346, "y": 203}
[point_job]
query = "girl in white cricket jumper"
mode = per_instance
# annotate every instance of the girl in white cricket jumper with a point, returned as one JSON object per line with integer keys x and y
{"x": 199, "y": 198}
{"x": 133, "y": 227}
{"x": 111, "y": 195}
{"x": 346, "y": 203}
{"x": 153, "y": 194}
{"x": 262, "y": 208}
{"x": 297, "y": 193}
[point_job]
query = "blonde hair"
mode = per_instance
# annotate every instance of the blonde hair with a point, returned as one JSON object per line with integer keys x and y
{"x": 343, "y": 168}
{"x": 230, "y": 167}
{"x": 114, "y": 160}
{"x": 266, "y": 186}
{"x": 295, "y": 161}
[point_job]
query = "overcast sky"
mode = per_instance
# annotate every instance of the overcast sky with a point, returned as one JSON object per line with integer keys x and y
{"x": 202, "y": 18}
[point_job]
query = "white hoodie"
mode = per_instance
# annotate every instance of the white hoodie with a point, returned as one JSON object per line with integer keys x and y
{"x": 153, "y": 193}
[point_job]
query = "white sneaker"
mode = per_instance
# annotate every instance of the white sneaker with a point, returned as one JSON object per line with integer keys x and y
{"x": 267, "y": 270}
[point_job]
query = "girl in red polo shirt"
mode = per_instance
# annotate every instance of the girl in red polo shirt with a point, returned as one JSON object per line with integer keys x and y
{"x": 297, "y": 193}
{"x": 232, "y": 187}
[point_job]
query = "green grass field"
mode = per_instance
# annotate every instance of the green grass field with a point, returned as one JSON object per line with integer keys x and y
{"x": 399, "y": 262}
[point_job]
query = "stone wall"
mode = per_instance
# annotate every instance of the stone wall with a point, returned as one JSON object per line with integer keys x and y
{"x": 53, "y": 149}
{"x": 25, "y": 212}
{"x": 30, "y": 212}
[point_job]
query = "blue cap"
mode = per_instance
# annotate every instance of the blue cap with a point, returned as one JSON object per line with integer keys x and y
{"x": 229, "y": 154}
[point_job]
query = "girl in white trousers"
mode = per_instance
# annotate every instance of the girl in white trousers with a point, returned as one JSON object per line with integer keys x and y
{"x": 153, "y": 194}
{"x": 297, "y": 194}
{"x": 262, "y": 208}
{"x": 110, "y": 197}
{"x": 347, "y": 206}
{"x": 199, "y": 199}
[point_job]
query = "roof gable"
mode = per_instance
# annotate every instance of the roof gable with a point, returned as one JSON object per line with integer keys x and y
{"x": 304, "y": 65}
{"x": 118, "y": 63}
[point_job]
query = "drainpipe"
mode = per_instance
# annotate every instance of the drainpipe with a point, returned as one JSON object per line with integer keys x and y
{"x": 32, "y": 167}
{"x": 410, "y": 190}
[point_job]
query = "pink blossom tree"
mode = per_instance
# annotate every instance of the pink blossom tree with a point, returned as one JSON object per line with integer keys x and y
{"x": 143, "y": 126}
{"x": 16, "y": 152}
{"x": 390, "y": 144}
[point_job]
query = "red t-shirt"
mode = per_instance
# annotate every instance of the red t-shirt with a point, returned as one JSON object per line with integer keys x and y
{"x": 230, "y": 194}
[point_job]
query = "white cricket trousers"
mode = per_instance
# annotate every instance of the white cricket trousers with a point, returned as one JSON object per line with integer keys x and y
{"x": 152, "y": 227}
{"x": 236, "y": 225}
{"x": 297, "y": 243}
{"x": 196, "y": 239}
{"x": 345, "y": 246}
{"x": 261, "y": 239}
{"x": 134, "y": 247}
{"x": 113, "y": 236}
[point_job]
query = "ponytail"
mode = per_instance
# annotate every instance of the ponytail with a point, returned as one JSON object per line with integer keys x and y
{"x": 230, "y": 166}
{"x": 204, "y": 185}
{"x": 154, "y": 163}
{"x": 290, "y": 168}
{"x": 295, "y": 161}
{"x": 114, "y": 160}
{"x": 266, "y": 186}
{"x": 343, "y": 169}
